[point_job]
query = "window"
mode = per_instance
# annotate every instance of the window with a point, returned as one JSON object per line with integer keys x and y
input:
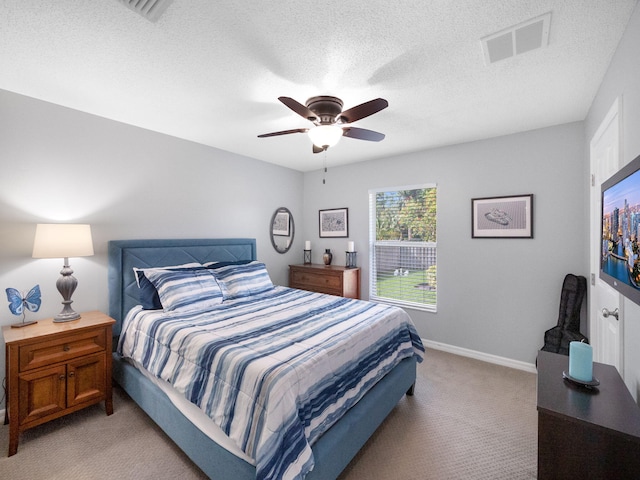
{"x": 402, "y": 237}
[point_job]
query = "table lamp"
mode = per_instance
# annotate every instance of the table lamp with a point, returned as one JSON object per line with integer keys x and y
{"x": 63, "y": 241}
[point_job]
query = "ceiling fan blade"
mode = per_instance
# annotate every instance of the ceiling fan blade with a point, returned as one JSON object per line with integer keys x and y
{"x": 284, "y": 132}
{"x": 363, "y": 110}
{"x": 317, "y": 149}
{"x": 300, "y": 109}
{"x": 363, "y": 134}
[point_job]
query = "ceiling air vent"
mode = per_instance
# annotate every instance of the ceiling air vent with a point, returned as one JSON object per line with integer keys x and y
{"x": 516, "y": 40}
{"x": 149, "y": 9}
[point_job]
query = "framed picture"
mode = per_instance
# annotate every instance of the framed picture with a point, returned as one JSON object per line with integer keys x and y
{"x": 502, "y": 217}
{"x": 280, "y": 225}
{"x": 334, "y": 223}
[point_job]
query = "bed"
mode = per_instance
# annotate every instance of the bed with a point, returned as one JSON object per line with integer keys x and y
{"x": 331, "y": 451}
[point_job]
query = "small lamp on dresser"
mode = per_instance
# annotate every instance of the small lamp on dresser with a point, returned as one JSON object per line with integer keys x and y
{"x": 63, "y": 241}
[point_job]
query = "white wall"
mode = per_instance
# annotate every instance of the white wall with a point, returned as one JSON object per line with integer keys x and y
{"x": 495, "y": 296}
{"x": 622, "y": 81}
{"x": 61, "y": 165}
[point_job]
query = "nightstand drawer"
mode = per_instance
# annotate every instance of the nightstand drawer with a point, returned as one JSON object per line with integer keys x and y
{"x": 62, "y": 349}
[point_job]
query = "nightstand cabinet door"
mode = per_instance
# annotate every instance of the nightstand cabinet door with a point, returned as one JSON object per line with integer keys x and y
{"x": 42, "y": 393}
{"x": 85, "y": 380}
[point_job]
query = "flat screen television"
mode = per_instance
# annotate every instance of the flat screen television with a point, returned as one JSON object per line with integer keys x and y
{"x": 619, "y": 254}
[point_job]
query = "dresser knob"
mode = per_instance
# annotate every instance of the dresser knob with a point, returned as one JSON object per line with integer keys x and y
{"x": 71, "y": 374}
{"x": 61, "y": 377}
{"x": 66, "y": 348}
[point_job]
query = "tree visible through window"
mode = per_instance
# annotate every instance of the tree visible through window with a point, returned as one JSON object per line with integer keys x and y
{"x": 402, "y": 230}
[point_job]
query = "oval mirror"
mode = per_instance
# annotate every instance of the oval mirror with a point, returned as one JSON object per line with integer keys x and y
{"x": 282, "y": 230}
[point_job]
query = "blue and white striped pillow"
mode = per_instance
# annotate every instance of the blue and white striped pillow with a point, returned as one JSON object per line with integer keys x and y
{"x": 237, "y": 281}
{"x": 194, "y": 289}
{"x": 148, "y": 295}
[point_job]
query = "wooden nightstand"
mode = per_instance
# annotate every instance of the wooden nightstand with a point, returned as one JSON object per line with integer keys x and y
{"x": 331, "y": 279}
{"x": 54, "y": 369}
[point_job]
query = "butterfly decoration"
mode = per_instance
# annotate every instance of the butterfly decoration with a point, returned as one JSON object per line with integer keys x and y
{"x": 18, "y": 301}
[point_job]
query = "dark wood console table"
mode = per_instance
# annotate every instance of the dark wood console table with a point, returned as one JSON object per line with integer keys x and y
{"x": 581, "y": 433}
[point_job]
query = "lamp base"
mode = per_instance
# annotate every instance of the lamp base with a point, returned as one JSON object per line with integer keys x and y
{"x": 66, "y": 284}
{"x": 66, "y": 316}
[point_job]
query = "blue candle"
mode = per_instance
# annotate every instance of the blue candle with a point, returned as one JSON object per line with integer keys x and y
{"x": 581, "y": 361}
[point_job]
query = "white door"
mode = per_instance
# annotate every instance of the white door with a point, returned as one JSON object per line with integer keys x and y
{"x": 606, "y": 330}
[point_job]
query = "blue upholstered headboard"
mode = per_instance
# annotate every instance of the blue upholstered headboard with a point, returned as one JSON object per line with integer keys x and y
{"x": 126, "y": 254}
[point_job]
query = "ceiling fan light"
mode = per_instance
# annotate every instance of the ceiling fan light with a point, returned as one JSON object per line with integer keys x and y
{"x": 325, "y": 136}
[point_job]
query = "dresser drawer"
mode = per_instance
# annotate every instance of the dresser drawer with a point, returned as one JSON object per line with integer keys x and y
{"x": 61, "y": 349}
{"x": 310, "y": 279}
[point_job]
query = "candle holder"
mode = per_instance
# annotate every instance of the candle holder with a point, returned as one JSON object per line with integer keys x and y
{"x": 588, "y": 385}
{"x": 307, "y": 257}
{"x": 351, "y": 259}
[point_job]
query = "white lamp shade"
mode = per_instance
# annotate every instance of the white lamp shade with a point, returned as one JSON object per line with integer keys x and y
{"x": 55, "y": 240}
{"x": 325, "y": 135}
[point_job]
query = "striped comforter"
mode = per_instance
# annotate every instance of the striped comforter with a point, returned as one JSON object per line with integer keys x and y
{"x": 273, "y": 371}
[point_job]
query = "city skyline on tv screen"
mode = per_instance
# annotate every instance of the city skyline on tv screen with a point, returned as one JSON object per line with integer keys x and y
{"x": 621, "y": 230}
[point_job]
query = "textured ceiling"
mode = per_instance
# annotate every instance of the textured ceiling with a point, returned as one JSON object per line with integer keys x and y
{"x": 211, "y": 71}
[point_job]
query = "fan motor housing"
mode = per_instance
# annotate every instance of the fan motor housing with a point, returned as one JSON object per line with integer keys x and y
{"x": 325, "y": 107}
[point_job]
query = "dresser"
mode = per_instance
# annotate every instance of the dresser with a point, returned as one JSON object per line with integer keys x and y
{"x": 585, "y": 433}
{"x": 53, "y": 369}
{"x": 330, "y": 279}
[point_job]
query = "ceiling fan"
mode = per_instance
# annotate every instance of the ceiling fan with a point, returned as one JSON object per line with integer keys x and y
{"x": 330, "y": 122}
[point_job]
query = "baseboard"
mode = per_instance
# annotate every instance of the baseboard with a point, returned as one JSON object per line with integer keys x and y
{"x": 484, "y": 357}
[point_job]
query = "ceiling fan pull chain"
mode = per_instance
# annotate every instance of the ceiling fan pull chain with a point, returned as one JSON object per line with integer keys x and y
{"x": 325, "y": 167}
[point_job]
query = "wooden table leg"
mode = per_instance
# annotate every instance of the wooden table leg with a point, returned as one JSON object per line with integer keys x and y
{"x": 14, "y": 435}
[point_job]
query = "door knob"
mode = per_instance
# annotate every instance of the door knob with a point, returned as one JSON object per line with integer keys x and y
{"x": 606, "y": 313}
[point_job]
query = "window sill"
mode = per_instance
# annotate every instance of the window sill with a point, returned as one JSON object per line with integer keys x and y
{"x": 412, "y": 305}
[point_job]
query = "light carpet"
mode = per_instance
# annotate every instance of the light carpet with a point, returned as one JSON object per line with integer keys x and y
{"x": 467, "y": 420}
